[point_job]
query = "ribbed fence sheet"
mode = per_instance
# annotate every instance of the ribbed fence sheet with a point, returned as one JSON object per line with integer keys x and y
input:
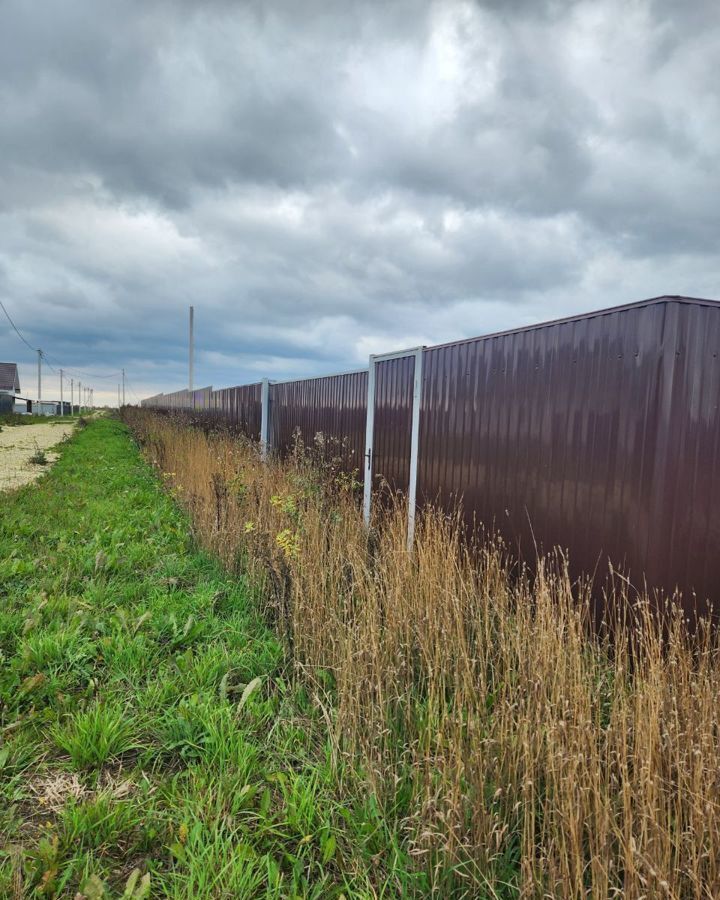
{"x": 240, "y": 407}
{"x": 393, "y": 422}
{"x": 597, "y": 434}
{"x": 328, "y": 414}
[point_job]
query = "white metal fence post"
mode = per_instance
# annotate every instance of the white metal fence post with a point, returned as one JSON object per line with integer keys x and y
{"x": 265, "y": 418}
{"x": 369, "y": 428}
{"x": 414, "y": 445}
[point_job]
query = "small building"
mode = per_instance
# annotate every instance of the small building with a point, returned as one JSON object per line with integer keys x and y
{"x": 9, "y": 387}
{"x": 47, "y": 407}
{"x": 9, "y": 378}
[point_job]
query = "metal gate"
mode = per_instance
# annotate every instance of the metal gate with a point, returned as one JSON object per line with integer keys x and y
{"x": 393, "y": 426}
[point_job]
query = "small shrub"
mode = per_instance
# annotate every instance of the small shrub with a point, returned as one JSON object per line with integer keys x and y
{"x": 39, "y": 458}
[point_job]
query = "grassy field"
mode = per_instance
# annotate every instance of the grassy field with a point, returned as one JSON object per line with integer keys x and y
{"x": 151, "y": 743}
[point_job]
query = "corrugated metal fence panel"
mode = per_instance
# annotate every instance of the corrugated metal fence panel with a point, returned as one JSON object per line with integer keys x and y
{"x": 183, "y": 400}
{"x": 684, "y": 543}
{"x": 246, "y": 408}
{"x": 200, "y": 398}
{"x": 172, "y": 400}
{"x": 176, "y": 400}
{"x": 329, "y": 413}
{"x": 597, "y": 434}
{"x": 393, "y": 420}
{"x": 240, "y": 407}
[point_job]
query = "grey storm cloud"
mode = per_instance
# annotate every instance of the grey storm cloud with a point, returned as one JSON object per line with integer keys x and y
{"x": 324, "y": 180}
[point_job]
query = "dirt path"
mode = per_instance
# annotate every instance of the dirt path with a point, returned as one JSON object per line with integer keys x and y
{"x": 19, "y": 442}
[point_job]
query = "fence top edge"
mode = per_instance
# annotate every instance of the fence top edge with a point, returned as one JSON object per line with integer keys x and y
{"x": 317, "y": 377}
{"x": 397, "y": 354}
{"x": 625, "y": 307}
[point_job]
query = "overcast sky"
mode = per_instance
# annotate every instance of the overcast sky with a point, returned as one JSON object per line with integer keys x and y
{"x": 323, "y": 180}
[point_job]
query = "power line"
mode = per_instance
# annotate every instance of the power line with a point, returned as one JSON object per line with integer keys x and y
{"x": 93, "y": 375}
{"x": 46, "y": 358}
{"x": 132, "y": 389}
{"x": 15, "y": 328}
{"x": 47, "y": 362}
{"x": 82, "y": 374}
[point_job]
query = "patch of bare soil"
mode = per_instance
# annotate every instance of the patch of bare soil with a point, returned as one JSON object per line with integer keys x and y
{"x": 20, "y": 443}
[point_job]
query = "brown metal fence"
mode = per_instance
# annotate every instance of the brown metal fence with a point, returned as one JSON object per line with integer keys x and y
{"x": 599, "y": 434}
{"x": 181, "y": 400}
{"x": 239, "y": 406}
{"x": 327, "y": 414}
{"x": 393, "y": 419}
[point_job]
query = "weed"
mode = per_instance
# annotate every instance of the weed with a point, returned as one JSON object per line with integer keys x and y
{"x": 102, "y": 824}
{"x": 39, "y": 457}
{"x": 97, "y": 735}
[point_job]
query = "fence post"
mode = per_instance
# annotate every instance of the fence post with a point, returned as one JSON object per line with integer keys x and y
{"x": 369, "y": 429}
{"x": 264, "y": 418}
{"x": 414, "y": 444}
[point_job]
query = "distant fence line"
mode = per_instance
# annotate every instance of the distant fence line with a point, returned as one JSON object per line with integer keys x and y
{"x": 598, "y": 433}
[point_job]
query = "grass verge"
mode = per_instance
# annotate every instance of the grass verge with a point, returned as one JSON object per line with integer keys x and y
{"x": 150, "y": 742}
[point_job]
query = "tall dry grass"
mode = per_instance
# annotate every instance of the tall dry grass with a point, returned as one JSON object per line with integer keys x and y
{"x": 515, "y": 751}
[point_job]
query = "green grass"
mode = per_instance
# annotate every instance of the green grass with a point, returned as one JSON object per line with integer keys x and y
{"x": 147, "y": 727}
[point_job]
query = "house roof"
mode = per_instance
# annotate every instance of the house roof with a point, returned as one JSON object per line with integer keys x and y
{"x": 9, "y": 378}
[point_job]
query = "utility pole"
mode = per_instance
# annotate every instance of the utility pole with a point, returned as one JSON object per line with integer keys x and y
{"x": 62, "y": 405}
{"x": 123, "y": 384}
{"x": 72, "y": 405}
{"x": 39, "y": 376}
{"x": 79, "y": 398}
{"x": 192, "y": 351}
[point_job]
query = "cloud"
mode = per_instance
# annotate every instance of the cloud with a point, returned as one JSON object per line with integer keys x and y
{"x": 321, "y": 180}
